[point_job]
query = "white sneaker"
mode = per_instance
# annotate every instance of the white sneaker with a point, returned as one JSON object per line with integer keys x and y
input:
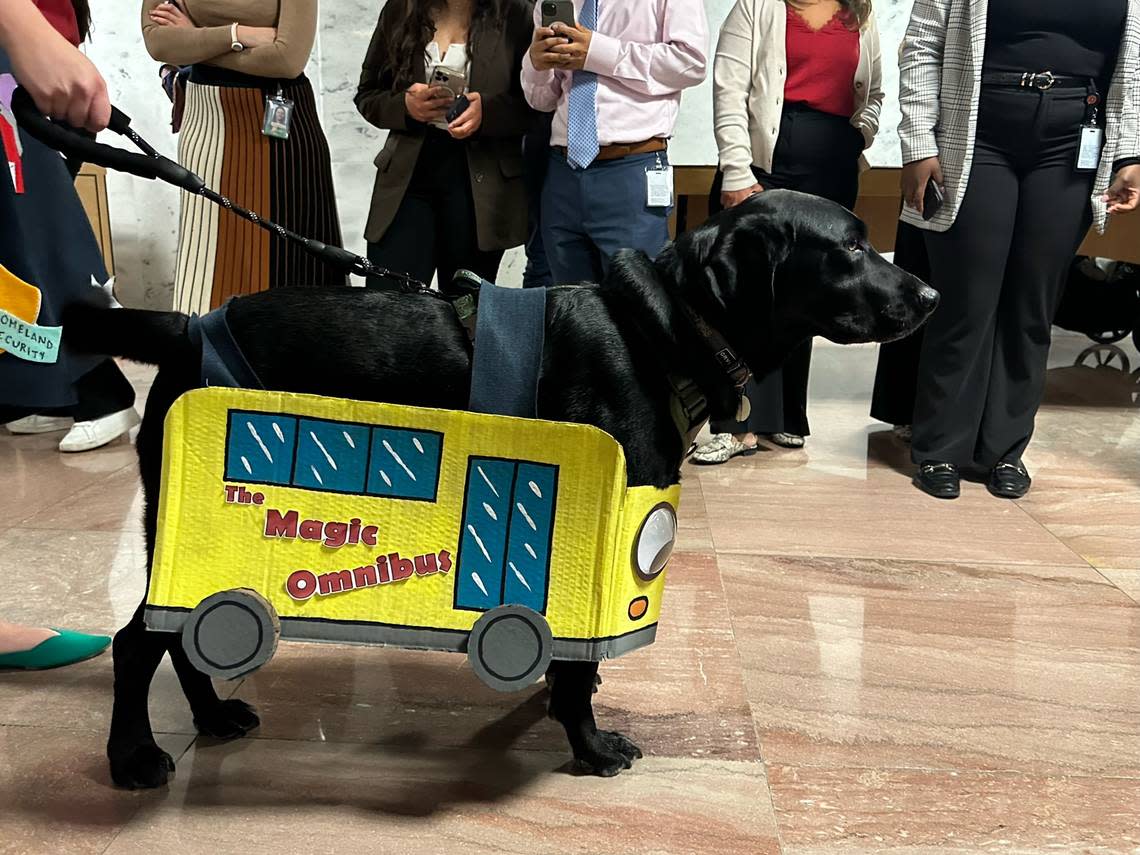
{"x": 39, "y": 424}
{"x": 85, "y": 436}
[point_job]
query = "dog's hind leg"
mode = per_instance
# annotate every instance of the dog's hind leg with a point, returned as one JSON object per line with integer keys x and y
{"x": 136, "y": 760}
{"x": 214, "y": 717}
{"x": 600, "y": 752}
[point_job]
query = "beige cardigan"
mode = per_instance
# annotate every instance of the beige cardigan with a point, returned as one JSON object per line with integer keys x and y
{"x": 209, "y": 40}
{"x": 748, "y": 87}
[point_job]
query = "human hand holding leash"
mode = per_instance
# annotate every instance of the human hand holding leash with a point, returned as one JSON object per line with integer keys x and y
{"x": 732, "y": 198}
{"x": 576, "y": 46}
{"x": 1123, "y": 194}
{"x": 427, "y": 103}
{"x": 470, "y": 120}
{"x": 915, "y": 177}
{"x": 541, "y": 49}
{"x": 61, "y": 80}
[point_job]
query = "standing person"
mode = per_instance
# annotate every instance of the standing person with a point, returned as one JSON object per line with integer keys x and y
{"x": 1004, "y": 110}
{"x": 449, "y": 194}
{"x": 46, "y": 240}
{"x": 247, "y": 61}
{"x": 614, "y": 84}
{"x": 797, "y": 89}
{"x": 89, "y": 398}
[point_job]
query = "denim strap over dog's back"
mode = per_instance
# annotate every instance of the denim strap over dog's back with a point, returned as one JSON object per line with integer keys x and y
{"x": 510, "y": 330}
{"x": 223, "y": 363}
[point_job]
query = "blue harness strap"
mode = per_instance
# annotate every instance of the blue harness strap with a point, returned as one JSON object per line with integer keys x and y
{"x": 509, "y": 332}
{"x": 223, "y": 363}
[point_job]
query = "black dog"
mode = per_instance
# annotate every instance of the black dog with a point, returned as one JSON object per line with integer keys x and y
{"x": 764, "y": 276}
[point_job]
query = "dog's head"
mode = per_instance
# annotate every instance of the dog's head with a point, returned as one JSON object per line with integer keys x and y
{"x": 784, "y": 266}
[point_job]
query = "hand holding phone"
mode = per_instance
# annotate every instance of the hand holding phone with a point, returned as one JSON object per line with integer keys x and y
{"x": 453, "y": 81}
{"x": 426, "y": 103}
{"x": 932, "y": 200}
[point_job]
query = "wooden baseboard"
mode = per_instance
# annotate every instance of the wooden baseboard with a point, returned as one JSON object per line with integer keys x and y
{"x": 91, "y": 185}
{"x": 878, "y": 206}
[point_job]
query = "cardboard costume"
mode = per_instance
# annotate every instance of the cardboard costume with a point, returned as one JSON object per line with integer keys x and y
{"x": 513, "y": 540}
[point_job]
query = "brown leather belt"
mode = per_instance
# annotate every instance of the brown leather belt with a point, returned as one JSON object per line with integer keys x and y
{"x": 617, "y": 150}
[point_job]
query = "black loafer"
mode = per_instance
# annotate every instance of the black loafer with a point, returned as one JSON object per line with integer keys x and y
{"x": 940, "y": 480}
{"x": 1009, "y": 481}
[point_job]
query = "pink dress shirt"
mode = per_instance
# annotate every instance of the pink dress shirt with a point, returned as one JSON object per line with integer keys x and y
{"x": 644, "y": 53}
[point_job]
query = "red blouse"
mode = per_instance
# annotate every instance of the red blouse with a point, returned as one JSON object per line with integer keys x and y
{"x": 821, "y": 65}
{"x": 61, "y": 15}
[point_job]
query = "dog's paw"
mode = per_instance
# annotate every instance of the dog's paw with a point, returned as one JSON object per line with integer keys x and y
{"x": 230, "y": 719}
{"x": 140, "y": 767}
{"x": 607, "y": 754}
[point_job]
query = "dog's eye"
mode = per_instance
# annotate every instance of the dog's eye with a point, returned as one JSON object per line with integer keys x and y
{"x": 854, "y": 245}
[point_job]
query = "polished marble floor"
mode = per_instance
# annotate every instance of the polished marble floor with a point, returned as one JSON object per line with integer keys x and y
{"x": 844, "y": 665}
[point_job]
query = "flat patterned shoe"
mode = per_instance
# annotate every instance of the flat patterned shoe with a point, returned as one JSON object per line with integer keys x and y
{"x": 722, "y": 447}
{"x": 787, "y": 440}
{"x": 67, "y": 648}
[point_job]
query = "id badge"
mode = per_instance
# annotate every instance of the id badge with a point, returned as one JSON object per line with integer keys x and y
{"x": 278, "y": 116}
{"x": 1088, "y": 151}
{"x": 659, "y": 185}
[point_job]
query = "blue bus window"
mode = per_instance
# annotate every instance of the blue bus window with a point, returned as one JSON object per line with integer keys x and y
{"x": 331, "y": 456}
{"x": 404, "y": 464}
{"x": 528, "y": 540}
{"x": 259, "y": 447}
{"x": 508, "y": 520}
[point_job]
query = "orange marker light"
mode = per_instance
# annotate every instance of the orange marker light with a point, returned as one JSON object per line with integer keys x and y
{"x": 638, "y": 607}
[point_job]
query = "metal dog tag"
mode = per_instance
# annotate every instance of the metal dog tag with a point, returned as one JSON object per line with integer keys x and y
{"x": 743, "y": 409}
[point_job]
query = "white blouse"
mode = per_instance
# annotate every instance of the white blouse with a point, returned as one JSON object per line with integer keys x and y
{"x": 455, "y": 58}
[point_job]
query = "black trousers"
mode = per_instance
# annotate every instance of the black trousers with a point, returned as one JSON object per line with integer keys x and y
{"x": 1000, "y": 269}
{"x": 101, "y": 391}
{"x": 896, "y": 374}
{"x": 815, "y": 153}
{"x": 434, "y": 229}
{"x": 536, "y": 158}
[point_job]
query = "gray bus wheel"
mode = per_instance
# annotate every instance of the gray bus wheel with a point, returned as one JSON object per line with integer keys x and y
{"x": 510, "y": 647}
{"x": 231, "y": 633}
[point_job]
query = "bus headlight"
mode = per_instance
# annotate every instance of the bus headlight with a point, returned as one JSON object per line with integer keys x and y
{"x": 654, "y": 542}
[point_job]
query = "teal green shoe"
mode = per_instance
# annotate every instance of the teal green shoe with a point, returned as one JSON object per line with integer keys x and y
{"x": 67, "y": 648}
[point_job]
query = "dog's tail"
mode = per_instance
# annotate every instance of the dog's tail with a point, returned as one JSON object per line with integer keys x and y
{"x": 136, "y": 334}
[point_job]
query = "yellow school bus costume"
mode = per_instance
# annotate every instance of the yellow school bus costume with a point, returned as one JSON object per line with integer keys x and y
{"x": 513, "y": 540}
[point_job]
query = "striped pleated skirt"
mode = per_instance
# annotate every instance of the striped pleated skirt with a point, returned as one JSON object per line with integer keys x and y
{"x": 289, "y": 181}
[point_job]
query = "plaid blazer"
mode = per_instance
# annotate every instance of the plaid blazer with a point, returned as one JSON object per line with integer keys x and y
{"x": 940, "y": 78}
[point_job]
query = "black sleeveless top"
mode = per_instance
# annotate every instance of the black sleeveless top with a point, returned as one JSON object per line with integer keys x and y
{"x": 1078, "y": 38}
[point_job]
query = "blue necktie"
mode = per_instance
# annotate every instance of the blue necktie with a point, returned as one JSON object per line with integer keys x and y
{"x": 582, "y": 113}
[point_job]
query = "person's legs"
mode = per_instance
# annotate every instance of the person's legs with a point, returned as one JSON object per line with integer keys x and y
{"x": 536, "y": 158}
{"x": 102, "y": 391}
{"x": 408, "y": 246}
{"x": 572, "y": 255}
{"x": 617, "y": 215}
{"x": 1042, "y": 249}
{"x": 967, "y": 265}
{"x": 105, "y": 409}
{"x": 457, "y": 244}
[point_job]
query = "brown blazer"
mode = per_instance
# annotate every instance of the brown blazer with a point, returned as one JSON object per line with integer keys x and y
{"x": 494, "y": 153}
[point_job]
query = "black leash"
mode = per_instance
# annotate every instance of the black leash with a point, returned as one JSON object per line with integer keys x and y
{"x": 152, "y": 165}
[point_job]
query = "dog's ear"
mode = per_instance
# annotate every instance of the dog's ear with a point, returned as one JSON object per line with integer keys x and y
{"x": 733, "y": 259}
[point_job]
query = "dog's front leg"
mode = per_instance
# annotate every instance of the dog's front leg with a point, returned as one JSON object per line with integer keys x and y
{"x": 136, "y": 760}
{"x": 600, "y": 752}
{"x": 214, "y": 717}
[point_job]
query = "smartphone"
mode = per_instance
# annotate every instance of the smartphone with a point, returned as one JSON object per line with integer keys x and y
{"x": 457, "y": 109}
{"x": 453, "y": 81}
{"x": 931, "y": 200}
{"x": 554, "y": 11}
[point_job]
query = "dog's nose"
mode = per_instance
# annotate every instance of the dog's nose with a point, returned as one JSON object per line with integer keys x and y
{"x": 928, "y": 297}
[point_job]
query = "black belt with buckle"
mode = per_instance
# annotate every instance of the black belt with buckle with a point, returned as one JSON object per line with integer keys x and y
{"x": 1042, "y": 81}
